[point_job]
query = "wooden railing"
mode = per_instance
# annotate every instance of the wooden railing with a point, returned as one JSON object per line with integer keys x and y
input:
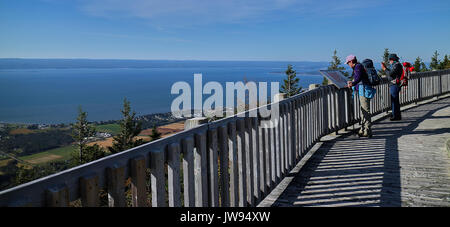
{"x": 230, "y": 162}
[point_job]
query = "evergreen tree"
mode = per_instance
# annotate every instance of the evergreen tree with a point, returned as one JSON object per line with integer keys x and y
{"x": 82, "y": 130}
{"x": 93, "y": 153}
{"x": 424, "y": 67}
{"x": 155, "y": 134}
{"x": 385, "y": 61}
{"x": 25, "y": 174}
{"x": 290, "y": 86}
{"x": 434, "y": 64}
{"x": 129, "y": 129}
{"x": 335, "y": 65}
{"x": 5, "y": 142}
{"x": 445, "y": 64}
{"x": 386, "y": 56}
{"x": 419, "y": 65}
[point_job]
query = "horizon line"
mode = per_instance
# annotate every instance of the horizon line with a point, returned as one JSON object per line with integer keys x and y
{"x": 131, "y": 59}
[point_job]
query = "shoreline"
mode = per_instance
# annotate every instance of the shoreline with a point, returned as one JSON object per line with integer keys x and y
{"x": 164, "y": 116}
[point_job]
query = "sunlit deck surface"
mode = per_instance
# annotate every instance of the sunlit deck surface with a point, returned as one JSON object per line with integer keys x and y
{"x": 405, "y": 163}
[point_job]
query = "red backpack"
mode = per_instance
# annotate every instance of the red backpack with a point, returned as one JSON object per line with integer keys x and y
{"x": 407, "y": 69}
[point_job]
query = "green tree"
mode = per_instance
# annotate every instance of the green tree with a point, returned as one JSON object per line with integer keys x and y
{"x": 5, "y": 142}
{"x": 290, "y": 86}
{"x": 445, "y": 64}
{"x": 386, "y": 56}
{"x": 82, "y": 130}
{"x": 94, "y": 152}
{"x": 423, "y": 67}
{"x": 434, "y": 64}
{"x": 26, "y": 174}
{"x": 335, "y": 64}
{"x": 129, "y": 129}
{"x": 419, "y": 65}
{"x": 385, "y": 61}
{"x": 155, "y": 134}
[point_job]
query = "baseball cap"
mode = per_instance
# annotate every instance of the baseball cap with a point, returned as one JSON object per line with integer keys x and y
{"x": 350, "y": 58}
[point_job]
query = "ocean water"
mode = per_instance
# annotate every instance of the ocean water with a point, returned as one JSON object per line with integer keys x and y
{"x": 50, "y": 93}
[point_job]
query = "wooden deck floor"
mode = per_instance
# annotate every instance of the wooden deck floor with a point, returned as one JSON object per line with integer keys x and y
{"x": 404, "y": 164}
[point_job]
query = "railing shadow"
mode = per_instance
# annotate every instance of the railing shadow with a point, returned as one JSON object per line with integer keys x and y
{"x": 352, "y": 171}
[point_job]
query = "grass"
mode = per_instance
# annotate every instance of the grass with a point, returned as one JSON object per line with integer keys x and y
{"x": 57, "y": 154}
{"x": 113, "y": 129}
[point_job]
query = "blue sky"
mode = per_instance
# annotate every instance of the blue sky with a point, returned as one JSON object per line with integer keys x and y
{"x": 279, "y": 30}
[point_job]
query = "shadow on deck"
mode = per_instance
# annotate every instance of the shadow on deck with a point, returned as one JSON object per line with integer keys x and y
{"x": 393, "y": 168}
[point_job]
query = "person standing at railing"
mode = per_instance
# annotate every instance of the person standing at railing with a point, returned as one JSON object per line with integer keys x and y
{"x": 360, "y": 76}
{"x": 394, "y": 74}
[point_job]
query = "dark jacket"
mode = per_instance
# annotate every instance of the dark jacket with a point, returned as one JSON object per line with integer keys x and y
{"x": 359, "y": 75}
{"x": 394, "y": 73}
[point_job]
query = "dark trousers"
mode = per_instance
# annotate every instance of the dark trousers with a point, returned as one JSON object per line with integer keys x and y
{"x": 395, "y": 101}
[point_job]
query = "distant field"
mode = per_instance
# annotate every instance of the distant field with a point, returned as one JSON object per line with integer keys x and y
{"x": 108, "y": 142}
{"x": 109, "y": 128}
{"x": 21, "y": 131}
{"x": 62, "y": 153}
{"x": 166, "y": 130}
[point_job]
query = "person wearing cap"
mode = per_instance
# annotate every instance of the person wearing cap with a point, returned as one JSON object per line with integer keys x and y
{"x": 360, "y": 77}
{"x": 394, "y": 73}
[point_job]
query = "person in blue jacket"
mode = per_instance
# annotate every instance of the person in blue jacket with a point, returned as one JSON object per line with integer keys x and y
{"x": 360, "y": 77}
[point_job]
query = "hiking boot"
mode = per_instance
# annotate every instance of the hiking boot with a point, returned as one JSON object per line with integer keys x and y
{"x": 367, "y": 133}
{"x": 360, "y": 132}
{"x": 395, "y": 118}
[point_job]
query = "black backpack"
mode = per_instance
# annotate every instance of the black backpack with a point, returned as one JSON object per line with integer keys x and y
{"x": 374, "y": 78}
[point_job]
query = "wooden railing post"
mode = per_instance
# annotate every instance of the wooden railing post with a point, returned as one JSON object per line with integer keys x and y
{"x": 280, "y": 139}
{"x": 58, "y": 196}
{"x": 200, "y": 163}
{"x": 89, "y": 190}
{"x": 213, "y": 167}
{"x": 242, "y": 163}
{"x": 234, "y": 175}
{"x": 158, "y": 181}
{"x": 188, "y": 171}
{"x": 272, "y": 157}
{"x": 138, "y": 182}
{"x": 224, "y": 166}
{"x": 262, "y": 156}
{"x": 249, "y": 143}
{"x": 173, "y": 173}
{"x": 116, "y": 186}
{"x": 256, "y": 158}
{"x": 288, "y": 134}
